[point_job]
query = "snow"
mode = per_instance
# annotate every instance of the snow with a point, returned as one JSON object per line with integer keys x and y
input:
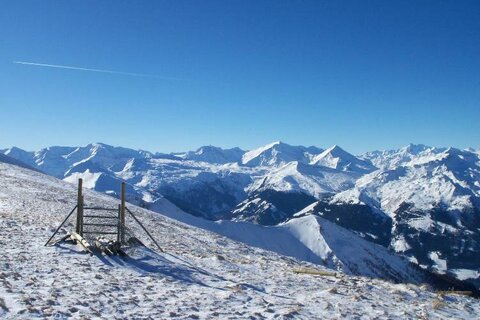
{"x": 391, "y": 159}
{"x": 440, "y": 264}
{"x": 6, "y": 159}
{"x": 250, "y": 155}
{"x": 89, "y": 178}
{"x": 423, "y": 223}
{"x": 204, "y": 182}
{"x": 209, "y": 181}
{"x": 203, "y": 275}
{"x": 400, "y": 245}
{"x": 464, "y": 274}
{"x": 425, "y": 182}
{"x": 299, "y": 177}
{"x": 214, "y": 155}
{"x": 278, "y": 154}
{"x": 337, "y": 158}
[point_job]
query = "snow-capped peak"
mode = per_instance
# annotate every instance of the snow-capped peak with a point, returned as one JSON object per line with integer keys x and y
{"x": 296, "y": 176}
{"x": 337, "y": 158}
{"x": 252, "y": 154}
{"x": 212, "y": 154}
{"x": 278, "y": 153}
{"x": 414, "y": 148}
{"x": 390, "y": 159}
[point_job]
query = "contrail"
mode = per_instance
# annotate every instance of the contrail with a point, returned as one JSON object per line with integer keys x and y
{"x": 97, "y": 70}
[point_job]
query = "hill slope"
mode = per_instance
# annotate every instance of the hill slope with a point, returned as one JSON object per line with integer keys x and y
{"x": 202, "y": 275}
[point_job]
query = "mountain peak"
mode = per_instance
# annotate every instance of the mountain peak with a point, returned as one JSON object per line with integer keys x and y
{"x": 414, "y": 148}
{"x": 278, "y": 153}
{"x": 215, "y": 155}
{"x": 274, "y": 143}
{"x": 99, "y": 145}
{"x": 336, "y": 150}
{"x": 14, "y": 149}
{"x": 337, "y": 158}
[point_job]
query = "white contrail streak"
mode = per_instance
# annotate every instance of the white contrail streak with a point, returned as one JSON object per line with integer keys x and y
{"x": 96, "y": 70}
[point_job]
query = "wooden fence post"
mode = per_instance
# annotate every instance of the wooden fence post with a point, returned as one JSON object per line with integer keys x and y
{"x": 79, "y": 227}
{"x": 122, "y": 213}
{"x": 81, "y": 214}
{"x": 119, "y": 229}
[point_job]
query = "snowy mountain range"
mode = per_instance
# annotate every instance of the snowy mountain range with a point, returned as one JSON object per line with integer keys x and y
{"x": 418, "y": 201}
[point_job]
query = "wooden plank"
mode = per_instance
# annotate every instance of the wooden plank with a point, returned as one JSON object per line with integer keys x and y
{"x": 99, "y": 232}
{"x": 103, "y": 247}
{"x": 100, "y": 217}
{"x": 84, "y": 243}
{"x": 99, "y": 209}
{"x": 101, "y": 224}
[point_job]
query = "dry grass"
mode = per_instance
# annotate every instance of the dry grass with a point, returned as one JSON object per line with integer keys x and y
{"x": 461, "y": 293}
{"x": 437, "y": 304}
{"x": 315, "y": 272}
{"x": 333, "y": 290}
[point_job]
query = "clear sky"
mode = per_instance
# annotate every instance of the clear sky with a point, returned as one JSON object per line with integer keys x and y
{"x": 361, "y": 74}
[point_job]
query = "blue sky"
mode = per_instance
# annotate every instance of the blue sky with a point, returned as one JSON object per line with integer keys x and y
{"x": 361, "y": 74}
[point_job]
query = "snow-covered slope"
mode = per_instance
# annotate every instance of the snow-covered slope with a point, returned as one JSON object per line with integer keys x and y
{"x": 312, "y": 180}
{"x": 213, "y": 154}
{"x": 279, "y": 153}
{"x": 10, "y": 160}
{"x": 390, "y": 159}
{"x": 201, "y": 275}
{"x": 337, "y": 158}
{"x": 429, "y": 208}
{"x": 58, "y": 161}
{"x": 448, "y": 179}
{"x": 21, "y": 155}
{"x": 285, "y": 190}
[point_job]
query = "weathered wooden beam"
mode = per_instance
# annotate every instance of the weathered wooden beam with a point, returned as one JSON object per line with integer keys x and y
{"x": 122, "y": 214}
{"x": 120, "y": 227}
{"x": 84, "y": 243}
{"x": 79, "y": 206}
{"x": 101, "y": 225}
{"x": 81, "y": 215}
{"x": 99, "y": 209}
{"x": 99, "y": 232}
{"x": 103, "y": 247}
{"x": 100, "y": 217}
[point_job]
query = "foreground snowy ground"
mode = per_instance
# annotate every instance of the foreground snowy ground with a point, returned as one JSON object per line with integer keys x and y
{"x": 202, "y": 275}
